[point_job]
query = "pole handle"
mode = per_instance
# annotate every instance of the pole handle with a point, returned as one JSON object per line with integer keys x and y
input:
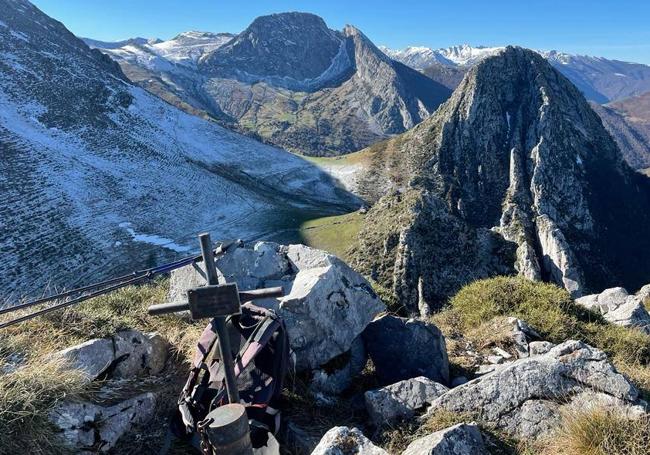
{"x": 166, "y": 308}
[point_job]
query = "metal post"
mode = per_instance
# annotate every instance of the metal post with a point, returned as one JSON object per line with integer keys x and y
{"x": 220, "y": 322}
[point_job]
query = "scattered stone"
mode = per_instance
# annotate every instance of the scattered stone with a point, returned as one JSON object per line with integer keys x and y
{"x": 502, "y": 397}
{"x": 495, "y": 359}
{"x": 139, "y": 354}
{"x": 402, "y": 399}
{"x": 92, "y": 357}
{"x": 327, "y": 304}
{"x": 618, "y": 307}
{"x": 540, "y": 347}
{"x": 502, "y": 353}
{"x": 406, "y": 348}
{"x": 461, "y": 439}
{"x": 87, "y": 426}
{"x": 345, "y": 441}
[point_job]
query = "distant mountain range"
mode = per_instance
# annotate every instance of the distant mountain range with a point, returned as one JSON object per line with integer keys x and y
{"x": 288, "y": 80}
{"x": 600, "y": 79}
{"x": 98, "y": 176}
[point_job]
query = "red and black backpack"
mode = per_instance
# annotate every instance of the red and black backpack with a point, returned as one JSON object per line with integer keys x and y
{"x": 260, "y": 348}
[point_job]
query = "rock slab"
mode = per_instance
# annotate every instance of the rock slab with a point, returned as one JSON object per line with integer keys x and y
{"x": 514, "y": 396}
{"x": 461, "y": 439}
{"x": 87, "y": 426}
{"x": 402, "y": 399}
{"x": 618, "y": 307}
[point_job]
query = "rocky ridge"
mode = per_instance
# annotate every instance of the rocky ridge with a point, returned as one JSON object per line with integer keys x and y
{"x": 291, "y": 81}
{"x": 514, "y": 172}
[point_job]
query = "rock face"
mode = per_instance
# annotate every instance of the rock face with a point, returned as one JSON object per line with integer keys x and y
{"x": 524, "y": 398}
{"x": 326, "y": 303}
{"x": 90, "y": 427}
{"x": 514, "y": 172}
{"x": 344, "y": 441}
{"x": 127, "y": 354}
{"x": 406, "y": 348}
{"x": 295, "y": 83}
{"x": 402, "y": 399}
{"x": 620, "y": 308}
{"x": 461, "y": 439}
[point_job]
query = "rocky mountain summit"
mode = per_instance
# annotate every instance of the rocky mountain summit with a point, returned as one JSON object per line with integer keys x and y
{"x": 358, "y": 375}
{"x": 291, "y": 81}
{"x": 514, "y": 173}
{"x": 96, "y": 170}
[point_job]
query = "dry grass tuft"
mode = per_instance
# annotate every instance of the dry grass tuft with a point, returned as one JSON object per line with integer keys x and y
{"x": 36, "y": 385}
{"x": 599, "y": 432}
{"x": 26, "y": 397}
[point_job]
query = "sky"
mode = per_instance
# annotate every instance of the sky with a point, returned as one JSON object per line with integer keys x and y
{"x": 614, "y": 29}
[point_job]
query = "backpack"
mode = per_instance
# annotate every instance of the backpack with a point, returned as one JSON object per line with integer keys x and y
{"x": 260, "y": 346}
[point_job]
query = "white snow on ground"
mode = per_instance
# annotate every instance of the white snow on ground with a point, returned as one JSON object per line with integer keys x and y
{"x": 153, "y": 239}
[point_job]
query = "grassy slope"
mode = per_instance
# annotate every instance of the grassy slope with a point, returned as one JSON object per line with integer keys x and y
{"x": 334, "y": 233}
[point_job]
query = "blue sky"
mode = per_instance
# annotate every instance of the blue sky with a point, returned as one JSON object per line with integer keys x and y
{"x": 614, "y": 29}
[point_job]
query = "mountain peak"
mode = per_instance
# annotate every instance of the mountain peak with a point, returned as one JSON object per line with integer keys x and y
{"x": 291, "y": 46}
{"x": 516, "y": 151}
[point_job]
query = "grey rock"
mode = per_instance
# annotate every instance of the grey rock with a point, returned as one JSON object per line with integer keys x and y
{"x": 92, "y": 357}
{"x": 567, "y": 369}
{"x": 644, "y": 295}
{"x": 405, "y": 348}
{"x": 87, "y": 426}
{"x": 335, "y": 382}
{"x": 461, "y": 439}
{"x": 618, "y": 307}
{"x": 345, "y": 441}
{"x": 401, "y": 400}
{"x": 328, "y": 304}
{"x": 540, "y": 347}
{"x": 138, "y": 354}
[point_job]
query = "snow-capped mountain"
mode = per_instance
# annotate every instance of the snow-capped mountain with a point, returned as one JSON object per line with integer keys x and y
{"x": 290, "y": 80}
{"x": 184, "y": 49}
{"x": 600, "y": 79}
{"x": 419, "y": 57}
{"x": 98, "y": 176}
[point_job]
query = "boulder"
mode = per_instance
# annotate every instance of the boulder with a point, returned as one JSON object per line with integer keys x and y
{"x": 89, "y": 427}
{"x": 334, "y": 379}
{"x": 618, "y": 307}
{"x": 406, "y": 348}
{"x": 346, "y": 441}
{"x": 461, "y": 439}
{"x": 326, "y": 306}
{"x": 138, "y": 354}
{"x": 524, "y": 396}
{"x": 644, "y": 295}
{"x": 402, "y": 399}
{"x": 92, "y": 357}
{"x": 127, "y": 354}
